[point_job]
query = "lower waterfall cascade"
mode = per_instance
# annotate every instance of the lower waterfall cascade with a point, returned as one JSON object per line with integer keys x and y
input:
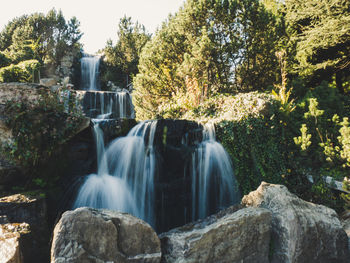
{"x": 128, "y": 172}
{"x": 166, "y": 172}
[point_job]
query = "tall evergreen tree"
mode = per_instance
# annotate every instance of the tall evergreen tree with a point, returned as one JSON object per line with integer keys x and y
{"x": 37, "y": 36}
{"x": 123, "y": 57}
{"x": 209, "y": 46}
{"x": 320, "y": 31}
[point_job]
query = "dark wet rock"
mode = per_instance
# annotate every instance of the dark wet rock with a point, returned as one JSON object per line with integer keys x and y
{"x": 31, "y": 210}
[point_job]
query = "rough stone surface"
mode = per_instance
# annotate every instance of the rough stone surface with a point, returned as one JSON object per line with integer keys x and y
{"x": 346, "y": 225}
{"x": 243, "y": 236}
{"x": 18, "y": 209}
{"x": 14, "y": 91}
{"x": 9, "y": 175}
{"x": 301, "y": 231}
{"x": 20, "y": 92}
{"x": 48, "y": 82}
{"x": 90, "y": 235}
{"x": 13, "y": 239}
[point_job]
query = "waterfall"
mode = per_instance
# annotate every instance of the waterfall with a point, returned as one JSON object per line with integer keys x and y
{"x": 125, "y": 177}
{"x": 128, "y": 173}
{"x": 89, "y": 72}
{"x": 116, "y": 105}
{"x": 214, "y": 186}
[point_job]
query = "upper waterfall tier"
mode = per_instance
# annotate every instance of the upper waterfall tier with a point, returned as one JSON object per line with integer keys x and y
{"x": 107, "y": 105}
{"x": 90, "y": 73}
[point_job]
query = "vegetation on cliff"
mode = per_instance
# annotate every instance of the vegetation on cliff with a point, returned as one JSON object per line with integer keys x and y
{"x": 36, "y": 37}
{"x": 273, "y": 75}
{"x": 202, "y": 58}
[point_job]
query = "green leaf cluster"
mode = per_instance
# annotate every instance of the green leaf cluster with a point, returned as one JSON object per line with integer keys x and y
{"x": 45, "y": 38}
{"x": 25, "y": 71}
{"x": 207, "y": 47}
{"x": 120, "y": 62}
{"x": 319, "y": 32}
{"x": 38, "y": 128}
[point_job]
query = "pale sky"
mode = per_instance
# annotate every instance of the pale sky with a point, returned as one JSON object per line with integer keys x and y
{"x": 99, "y": 18}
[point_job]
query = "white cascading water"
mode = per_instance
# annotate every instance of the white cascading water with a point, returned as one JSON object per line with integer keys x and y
{"x": 89, "y": 72}
{"x": 109, "y": 104}
{"x": 214, "y": 186}
{"x": 125, "y": 177}
{"x": 126, "y": 169}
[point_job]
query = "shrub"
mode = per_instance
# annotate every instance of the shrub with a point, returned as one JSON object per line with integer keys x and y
{"x": 4, "y": 60}
{"x": 39, "y": 127}
{"x": 25, "y": 71}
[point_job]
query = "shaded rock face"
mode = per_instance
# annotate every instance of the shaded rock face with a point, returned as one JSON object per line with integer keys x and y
{"x": 15, "y": 91}
{"x": 346, "y": 225}
{"x": 13, "y": 243}
{"x": 48, "y": 82}
{"x": 174, "y": 143}
{"x": 18, "y": 209}
{"x": 90, "y": 235}
{"x": 10, "y": 175}
{"x": 301, "y": 231}
{"x": 243, "y": 236}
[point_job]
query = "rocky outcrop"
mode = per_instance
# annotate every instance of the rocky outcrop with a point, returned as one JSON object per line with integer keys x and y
{"x": 14, "y": 243}
{"x": 15, "y": 92}
{"x": 243, "y": 236}
{"x": 48, "y": 82}
{"x": 301, "y": 231}
{"x": 31, "y": 210}
{"x": 90, "y": 235}
{"x": 9, "y": 175}
{"x": 346, "y": 225}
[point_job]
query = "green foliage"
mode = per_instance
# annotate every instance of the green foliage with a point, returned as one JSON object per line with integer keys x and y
{"x": 208, "y": 47}
{"x": 25, "y": 71}
{"x": 283, "y": 95}
{"x": 38, "y": 128}
{"x": 45, "y": 38}
{"x": 121, "y": 60}
{"x": 254, "y": 161}
{"x": 346, "y": 197}
{"x": 4, "y": 60}
{"x": 304, "y": 141}
{"x": 319, "y": 31}
{"x": 344, "y": 140}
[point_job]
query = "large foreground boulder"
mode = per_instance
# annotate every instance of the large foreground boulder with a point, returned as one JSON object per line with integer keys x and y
{"x": 243, "y": 236}
{"x": 301, "y": 231}
{"x": 19, "y": 209}
{"x": 15, "y": 243}
{"x": 90, "y": 235}
{"x": 346, "y": 225}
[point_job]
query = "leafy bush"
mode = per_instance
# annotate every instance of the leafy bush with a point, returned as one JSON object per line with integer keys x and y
{"x": 346, "y": 197}
{"x": 4, "y": 60}
{"x": 39, "y": 128}
{"x": 25, "y": 71}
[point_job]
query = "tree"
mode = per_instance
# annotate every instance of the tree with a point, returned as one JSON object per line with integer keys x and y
{"x": 320, "y": 31}
{"x": 123, "y": 57}
{"x": 37, "y": 36}
{"x": 209, "y": 46}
